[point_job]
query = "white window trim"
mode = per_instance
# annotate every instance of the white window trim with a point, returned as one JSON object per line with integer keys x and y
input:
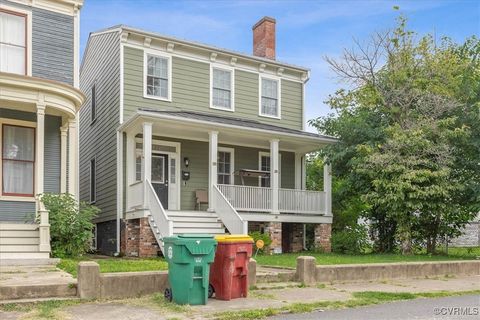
{"x": 90, "y": 180}
{"x": 264, "y": 153}
{"x": 28, "y": 67}
{"x": 232, "y": 86}
{"x": 279, "y": 96}
{"x": 150, "y": 52}
{"x": 92, "y": 118}
{"x": 232, "y": 162}
{"x": 24, "y": 124}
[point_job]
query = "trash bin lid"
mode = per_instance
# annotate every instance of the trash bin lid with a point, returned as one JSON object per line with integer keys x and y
{"x": 233, "y": 238}
{"x": 195, "y": 235}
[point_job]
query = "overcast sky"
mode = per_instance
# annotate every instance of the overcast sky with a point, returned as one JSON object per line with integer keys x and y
{"x": 306, "y": 30}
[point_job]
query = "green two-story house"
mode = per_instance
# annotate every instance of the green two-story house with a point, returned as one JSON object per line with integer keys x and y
{"x": 181, "y": 137}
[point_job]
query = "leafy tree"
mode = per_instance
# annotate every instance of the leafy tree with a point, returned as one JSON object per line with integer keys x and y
{"x": 408, "y": 136}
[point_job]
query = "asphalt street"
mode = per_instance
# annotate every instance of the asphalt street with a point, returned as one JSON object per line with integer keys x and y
{"x": 457, "y": 308}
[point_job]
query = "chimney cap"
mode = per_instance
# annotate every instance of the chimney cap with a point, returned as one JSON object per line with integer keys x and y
{"x": 266, "y": 18}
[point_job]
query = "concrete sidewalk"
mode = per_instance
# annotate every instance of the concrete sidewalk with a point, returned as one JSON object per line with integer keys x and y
{"x": 267, "y": 295}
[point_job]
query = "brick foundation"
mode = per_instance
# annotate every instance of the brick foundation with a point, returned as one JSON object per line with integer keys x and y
{"x": 296, "y": 240}
{"x": 137, "y": 239}
{"x": 323, "y": 234}
{"x": 293, "y": 233}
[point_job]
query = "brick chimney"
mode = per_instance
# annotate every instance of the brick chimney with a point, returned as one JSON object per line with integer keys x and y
{"x": 264, "y": 38}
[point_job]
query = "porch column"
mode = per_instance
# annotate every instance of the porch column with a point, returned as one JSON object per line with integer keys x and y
{"x": 212, "y": 167}
{"x": 63, "y": 159}
{"x": 299, "y": 171}
{"x": 274, "y": 174}
{"x": 327, "y": 188}
{"x": 131, "y": 159}
{"x": 147, "y": 157}
{"x": 40, "y": 143}
{"x": 72, "y": 157}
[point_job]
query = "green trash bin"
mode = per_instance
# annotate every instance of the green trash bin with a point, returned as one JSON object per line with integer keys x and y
{"x": 189, "y": 257}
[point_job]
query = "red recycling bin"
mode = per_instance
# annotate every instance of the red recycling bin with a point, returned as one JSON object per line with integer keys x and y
{"x": 229, "y": 271}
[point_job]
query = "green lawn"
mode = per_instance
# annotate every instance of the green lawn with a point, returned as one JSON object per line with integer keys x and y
{"x": 289, "y": 259}
{"x": 116, "y": 264}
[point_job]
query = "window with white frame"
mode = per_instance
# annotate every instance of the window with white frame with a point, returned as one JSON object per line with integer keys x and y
{"x": 269, "y": 104}
{"x": 222, "y": 89}
{"x": 13, "y": 44}
{"x": 158, "y": 77}
{"x": 18, "y": 158}
{"x": 264, "y": 165}
{"x": 225, "y": 166}
{"x": 93, "y": 180}
{"x": 94, "y": 103}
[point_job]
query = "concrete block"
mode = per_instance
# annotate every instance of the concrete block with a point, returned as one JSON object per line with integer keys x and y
{"x": 306, "y": 269}
{"x": 252, "y": 272}
{"x": 88, "y": 280}
{"x": 132, "y": 284}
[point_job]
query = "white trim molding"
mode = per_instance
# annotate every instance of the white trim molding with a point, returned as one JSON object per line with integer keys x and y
{"x": 67, "y": 7}
{"x": 232, "y": 162}
{"x": 160, "y": 54}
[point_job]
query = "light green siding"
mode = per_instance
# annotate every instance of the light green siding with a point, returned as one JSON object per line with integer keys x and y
{"x": 191, "y": 91}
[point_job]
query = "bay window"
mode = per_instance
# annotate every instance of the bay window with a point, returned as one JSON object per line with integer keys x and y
{"x": 18, "y": 160}
{"x": 13, "y": 44}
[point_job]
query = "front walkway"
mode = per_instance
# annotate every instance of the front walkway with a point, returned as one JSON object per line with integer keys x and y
{"x": 267, "y": 295}
{"x": 35, "y": 281}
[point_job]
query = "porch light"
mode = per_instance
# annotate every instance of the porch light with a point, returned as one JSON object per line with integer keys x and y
{"x": 186, "y": 161}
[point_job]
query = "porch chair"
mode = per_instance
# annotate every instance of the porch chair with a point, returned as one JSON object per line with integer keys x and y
{"x": 201, "y": 196}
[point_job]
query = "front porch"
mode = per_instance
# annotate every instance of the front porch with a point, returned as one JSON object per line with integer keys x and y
{"x": 169, "y": 159}
{"x": 38, "y": 138}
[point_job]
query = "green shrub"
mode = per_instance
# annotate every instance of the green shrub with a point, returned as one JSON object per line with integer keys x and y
{"x": 70, "y": 224}
{"x": 256, "y": 235}
{"x": 351, "y": 240}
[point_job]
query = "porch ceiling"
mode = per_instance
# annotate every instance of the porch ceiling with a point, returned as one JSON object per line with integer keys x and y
{"x": 230, "y": 130}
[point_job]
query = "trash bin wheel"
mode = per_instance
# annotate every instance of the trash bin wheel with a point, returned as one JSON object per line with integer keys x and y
{"x": 168, "y": 294}
{"x": 211, "y": 291}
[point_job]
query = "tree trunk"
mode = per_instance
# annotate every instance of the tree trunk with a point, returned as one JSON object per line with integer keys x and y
{"x": 431, "y": 245}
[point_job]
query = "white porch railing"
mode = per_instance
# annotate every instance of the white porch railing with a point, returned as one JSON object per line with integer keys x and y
{"x": 135, "y": 195}
{"x": 246, "y": 198}
{"x": 258, "y": 199}
{"x": 161, "y": 225}
{"x": 301, "y": 201}
{"x": 227, "y": 213}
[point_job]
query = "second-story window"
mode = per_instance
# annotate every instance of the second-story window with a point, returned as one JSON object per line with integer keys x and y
{"x": 157, "y": 85}
{"x": 222, "y": 85}
{"x": 94, "y": 103}
{"x": 13, "y": 47}
{"x": 269, "y": 98}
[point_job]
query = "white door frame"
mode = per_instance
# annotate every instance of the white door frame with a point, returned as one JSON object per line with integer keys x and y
{"x": 174, "y": 192}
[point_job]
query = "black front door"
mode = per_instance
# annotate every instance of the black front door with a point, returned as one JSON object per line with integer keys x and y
{"x": 160, "y": 177}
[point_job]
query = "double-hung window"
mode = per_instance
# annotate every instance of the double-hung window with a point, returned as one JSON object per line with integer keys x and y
{"x": 18, "y": 158}
{"x": 222, "y": 89}
{"x": 264, "y": 165}
{"x": 93, "y": 180}
{"x": 225, "y": 166}
{"x": 269, "y": 98}
{"x": 94, "y": 104}
{"x": 157, "y": 77}
{"x": 13, "y": 44}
